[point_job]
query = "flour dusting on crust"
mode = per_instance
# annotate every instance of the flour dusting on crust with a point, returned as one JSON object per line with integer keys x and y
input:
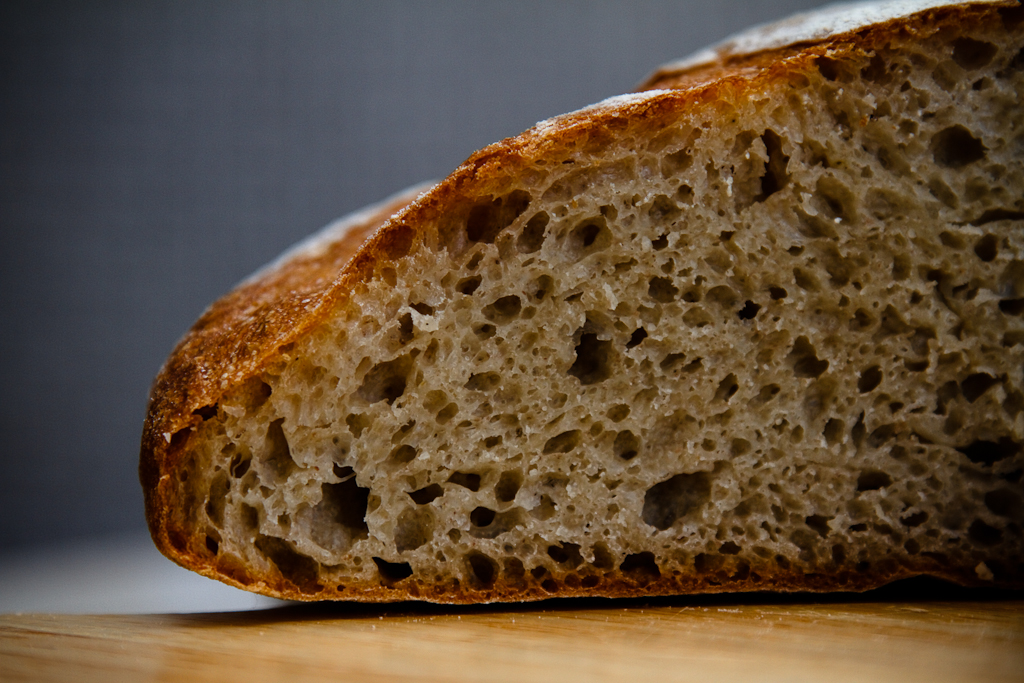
{"x": 822, "y": 23}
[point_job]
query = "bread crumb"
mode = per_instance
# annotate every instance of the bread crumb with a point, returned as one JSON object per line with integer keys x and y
{"x": 234, "y": 411}
{"x": 983, "y": 572}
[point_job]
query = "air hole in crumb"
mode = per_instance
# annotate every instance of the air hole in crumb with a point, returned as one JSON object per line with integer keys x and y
{"x": 749, "y": 310}
{"x": 951, "y": 240}
{"x": 468, "y": 285}
{"x": 563, "y": 443}
{"x": 212, "y": 545}
{"x": 999, "y": 214}
{"x": 447, "y": 413}
{"x": 484, "y": 381}
{"x": 914, "y": 519}
{"x": 593, "y": 360}
{"x": 206, "y": 412}
{"x": 588, "y": 237}
{"x": 357, "y": 422}
{"x": 775, "y": 176}
{"x": 974, "y": 386}
{"x": 670, "y": 360}
{"x": 294, "y": 567}
{"x": 403, "y": 454}
{"x": 345, "y": 504}
{"x": 873, "y": 480}
{"x": 405, "y": 328}
{"x": 990, "y": 452}
{"x": 466, "y": 480}
{"x": 566, "y": 554}
{"x": 869, "y": 379}
{"x": 508, "y": 486}
{"x": 738, "y": 447}
{"x": 987, "y": 248}
{"x": 861, "y": 320}
{"x": 727, "y": 388}
{"x": 833, "y": 431}
{"x": 767, "y": 393}
{"x": 673, "y": 498}
{"x": 1011, "y": 306}
{"x": 415, "y": 528}
{"x": 488, "y": 219}
{"x": 804, "y": 360}
{"x": 729, "y": 548}
{"x": 422, "y": 309}
{"x": 662, "y": 290}
{"x": 426, "y": 494}
{"x": 532, "y": 236}
{"x": 392, "y": 572}
{"x": 722, "y": 295}
{"x": 386, "y": 381}
{"x": 674, "y": 163}
{"x": 626, "y": 445}
{"x": 239, "y": 465}
{"x": 881, "y": 434}
{"x": 663, "y": 210}
{"x": 503, "y": 309}
{"x": 217, "y": 499}
{"x": 485, "y": 331}
{"x": 481, "y": 517}
{"x": 618, "y": 413}
{"x": 805, "y": 280}
{"x": 697, "y": 317}
{"x": 1004, "y": 503}
{"x": 973, "y": 54}
{"x": 955, "y": 147}
{"x": 641, "y": 565}
{"x": 603, "y": 558}
{"x": 639, "y": 334}
{"x": 542, "y": 286}
{"x": 660, "y": 243}
{"x": 983, "y": 534}
{"x": 819, "y": 523}
{"x": 279, "y": 454}
{"x": 259, "y": 391}
{"x": 828, "y": 68}
{"x": 777, "y": 293}
{"x": 481, "y": 568}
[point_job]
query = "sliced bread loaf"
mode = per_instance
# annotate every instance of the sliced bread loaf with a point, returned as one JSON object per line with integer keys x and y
{"x": 759, "y": 327}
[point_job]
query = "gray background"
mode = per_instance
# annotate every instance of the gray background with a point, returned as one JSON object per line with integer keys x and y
{"x": 154, "y": 153}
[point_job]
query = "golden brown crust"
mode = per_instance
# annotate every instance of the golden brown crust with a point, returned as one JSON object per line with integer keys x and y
{"x": 726, "y": 61}
{"x": 241, "y": 334}
{"x": 622, "y": 585}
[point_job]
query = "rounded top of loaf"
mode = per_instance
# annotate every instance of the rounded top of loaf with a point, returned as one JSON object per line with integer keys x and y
{"x": 761, "y": 45}
{"x": 244, "y": 332}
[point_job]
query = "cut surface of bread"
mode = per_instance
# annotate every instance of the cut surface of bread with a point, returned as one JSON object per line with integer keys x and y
{"x": 759, "y": 328}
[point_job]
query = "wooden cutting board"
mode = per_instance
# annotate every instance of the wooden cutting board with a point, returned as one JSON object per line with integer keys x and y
{"x": 678, "y": 639}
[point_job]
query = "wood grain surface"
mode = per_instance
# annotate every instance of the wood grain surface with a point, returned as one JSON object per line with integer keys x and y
{"x": 752, "y": 638}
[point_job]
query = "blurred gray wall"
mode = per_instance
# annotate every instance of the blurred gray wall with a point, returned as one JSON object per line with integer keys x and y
{"x": 154, "y": 153}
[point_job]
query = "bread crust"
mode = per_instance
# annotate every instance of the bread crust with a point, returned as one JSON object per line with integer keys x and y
{"x": 243, "y": 333}
{"x": 864, "y": 24}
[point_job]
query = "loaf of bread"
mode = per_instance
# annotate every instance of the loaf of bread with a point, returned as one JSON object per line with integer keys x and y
{"x": 757, "y": 327}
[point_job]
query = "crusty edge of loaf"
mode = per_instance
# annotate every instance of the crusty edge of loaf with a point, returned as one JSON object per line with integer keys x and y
{"x": 757, "y": 47}
{"x": 625, "y": 586}
{"x": 242, "y": 333}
